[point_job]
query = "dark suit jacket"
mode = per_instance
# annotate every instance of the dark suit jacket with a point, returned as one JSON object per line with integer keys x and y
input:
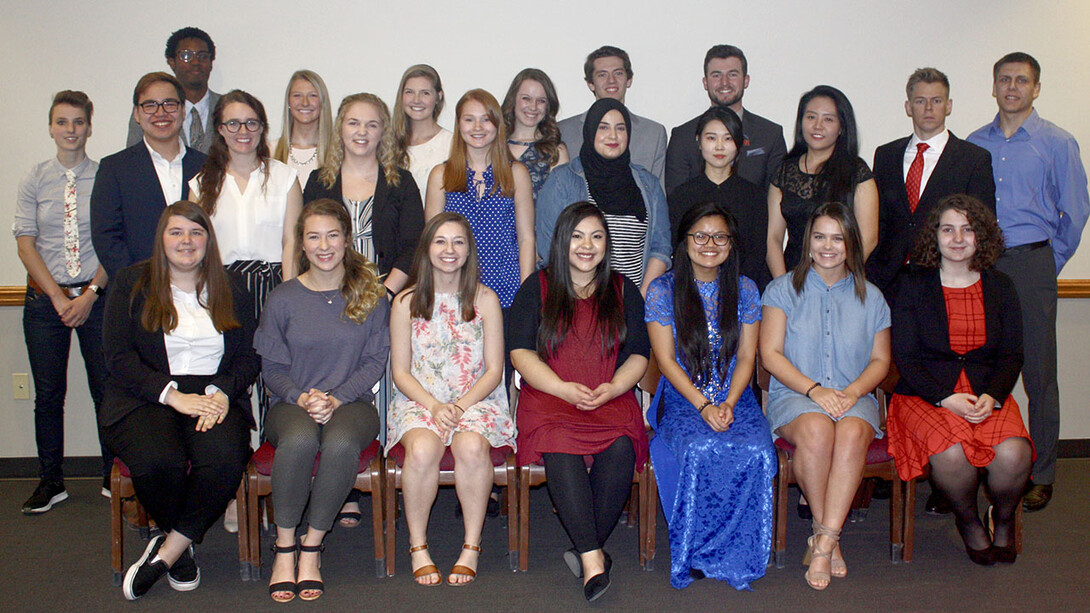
{"x": 761, "y": 156}
{"x": 963, "y": 168}
{"x": 921, "y": 339}
{"x": 397, "y": 217}
{"x": 137, "y": 359}
{"x": 126, "y": 203}
{"x": 202, "y": 145}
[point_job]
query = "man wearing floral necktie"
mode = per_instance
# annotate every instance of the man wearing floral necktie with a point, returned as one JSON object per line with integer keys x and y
{"x": 64, "y": 281}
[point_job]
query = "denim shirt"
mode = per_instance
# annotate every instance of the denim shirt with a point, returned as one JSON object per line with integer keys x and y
{"x": 567, "y": 185}
{"x": 830, "y": 333}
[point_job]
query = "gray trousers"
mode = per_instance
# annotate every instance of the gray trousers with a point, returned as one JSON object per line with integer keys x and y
{"x": 298, "y": 440}
{"x": 1034, "y": 276}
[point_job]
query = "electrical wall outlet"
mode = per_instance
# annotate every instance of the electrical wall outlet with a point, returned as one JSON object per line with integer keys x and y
{"x": 20, "y": 386}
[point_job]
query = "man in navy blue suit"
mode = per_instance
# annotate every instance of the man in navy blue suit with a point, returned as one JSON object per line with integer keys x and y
{"x": 134, "y": 185}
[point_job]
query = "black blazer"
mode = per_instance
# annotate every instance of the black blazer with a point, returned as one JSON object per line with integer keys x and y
{"x": 762, "y": 154}
{"x": 963, "y": 168}
{"x": 137, "y": 359}
{"x": 397, "y": 217}
{"x": 126, "y": 203}
{"x": 921, "y": 339}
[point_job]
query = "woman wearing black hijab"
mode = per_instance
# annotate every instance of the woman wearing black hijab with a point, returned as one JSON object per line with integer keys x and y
{"x": 628, "y": 195}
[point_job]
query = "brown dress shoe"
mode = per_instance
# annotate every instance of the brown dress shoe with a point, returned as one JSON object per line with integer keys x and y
{"x": 1037, "y": 498}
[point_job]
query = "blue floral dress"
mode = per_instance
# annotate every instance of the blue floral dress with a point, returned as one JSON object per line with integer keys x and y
{"x": 492, "y": 219}
{"x": 715, "y": 487}
{"x": 537, "y": 165}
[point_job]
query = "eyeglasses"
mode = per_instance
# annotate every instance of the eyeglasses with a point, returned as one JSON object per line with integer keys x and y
{"x": 189, "y": 56}
{"x": 170, "y": 105}
{"x": 701, "y": 238}
{"x": 234, "y": 125}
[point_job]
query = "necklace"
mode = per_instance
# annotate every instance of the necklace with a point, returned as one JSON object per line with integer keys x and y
{"x": 291, "y": 155}
{"x": 328, "y": 299}
{"x": 521, "y": 143}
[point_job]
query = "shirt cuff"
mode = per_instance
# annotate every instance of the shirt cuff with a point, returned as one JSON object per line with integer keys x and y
{"x": 163, "y": 394}
{"x": 212, "y": 389}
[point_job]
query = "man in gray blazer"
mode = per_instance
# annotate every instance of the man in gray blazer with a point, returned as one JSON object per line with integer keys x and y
{"x": 190, "y": 53}
{"x": 608, "y": 72}
{"x": 726, "y": 77}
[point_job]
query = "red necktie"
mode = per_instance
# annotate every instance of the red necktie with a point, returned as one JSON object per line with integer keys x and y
{"x": 915, "y": 175}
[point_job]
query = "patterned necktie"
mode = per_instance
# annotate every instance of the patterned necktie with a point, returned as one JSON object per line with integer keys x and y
{"x": 915, "y": 176}
{"x": 196, "y": 128}
{"x": 71, "y": 226}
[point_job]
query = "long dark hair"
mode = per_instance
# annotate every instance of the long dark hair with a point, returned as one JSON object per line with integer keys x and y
{"x": 214, "y": 170}
{"x": 690, "y": 324}
{"x": 839, "y": 170}
{"x": 731, "y": 122}
{"x": 213, "y": 286}
{"x": 558, "y": 307}
{"x": 422, "y": 274}
{"x": 549, "y": 143}
{"x": 853, "y": 248}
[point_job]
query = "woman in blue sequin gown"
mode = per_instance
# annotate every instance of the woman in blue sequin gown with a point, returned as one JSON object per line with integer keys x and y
{"x": 712, "y": 452}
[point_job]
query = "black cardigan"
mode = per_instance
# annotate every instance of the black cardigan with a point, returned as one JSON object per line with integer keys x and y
{"x": 921, "y": 340}
{"x": 137, "y": 359}
{"x": 397, "y": 217}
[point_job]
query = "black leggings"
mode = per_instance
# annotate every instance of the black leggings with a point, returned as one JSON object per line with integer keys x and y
{"x": 590, "y": 503}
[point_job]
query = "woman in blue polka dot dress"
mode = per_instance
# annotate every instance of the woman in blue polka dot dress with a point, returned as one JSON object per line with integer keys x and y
{"x": 483, "y": 183}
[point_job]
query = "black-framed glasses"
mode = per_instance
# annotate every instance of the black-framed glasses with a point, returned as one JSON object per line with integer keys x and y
{"x": 701, "y": 238}
{"x": 234, "y": 125}
{"x": 170, "y": 105}
{"x": 188, "y": 56}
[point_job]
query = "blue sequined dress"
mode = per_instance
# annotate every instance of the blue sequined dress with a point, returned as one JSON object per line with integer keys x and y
{"x": 715, "y": 487}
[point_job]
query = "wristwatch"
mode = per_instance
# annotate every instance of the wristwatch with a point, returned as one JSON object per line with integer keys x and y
{"x": 96, "y": 289}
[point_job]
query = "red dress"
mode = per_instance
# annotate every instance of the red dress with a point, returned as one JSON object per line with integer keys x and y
{"x": 547, "y": 424}
{"x": 918, "y": 430}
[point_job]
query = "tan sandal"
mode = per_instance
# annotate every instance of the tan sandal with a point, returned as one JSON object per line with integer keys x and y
{"x": 464, "y": 571}
{"x": 427, "y": 569}
{"x": 816, "y": 579}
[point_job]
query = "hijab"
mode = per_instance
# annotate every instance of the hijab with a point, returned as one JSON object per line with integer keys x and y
{"x": 610, "y": 182}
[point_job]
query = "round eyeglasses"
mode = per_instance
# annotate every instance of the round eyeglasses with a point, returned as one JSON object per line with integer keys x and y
{"x": 170, "y": 105}
{"x": 234, "y": 125}
{"x": 701, "y": 238}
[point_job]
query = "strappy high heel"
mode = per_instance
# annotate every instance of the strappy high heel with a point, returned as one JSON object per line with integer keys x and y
{"x": 284, "y": 587}
{"x": 815, "y": 578}
{"x": 316, "y": 587}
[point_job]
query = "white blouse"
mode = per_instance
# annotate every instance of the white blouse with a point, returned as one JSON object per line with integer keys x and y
{"x": 250, "y": 224}
{"x": 425, "y": 156}
{"x": 194, "y": 347}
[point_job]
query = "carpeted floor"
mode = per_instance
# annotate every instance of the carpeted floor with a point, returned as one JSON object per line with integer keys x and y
{"x": 59, "y": 561}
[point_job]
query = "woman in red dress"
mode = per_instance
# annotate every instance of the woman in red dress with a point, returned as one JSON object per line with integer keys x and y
{"x": 581, "y": 346}
{"x": 957, "y": 342}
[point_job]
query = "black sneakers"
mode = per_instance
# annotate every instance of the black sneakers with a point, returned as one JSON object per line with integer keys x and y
{"x": 184, "y": 575}
{"x": 47, "y": 494}
{"x": 145, "y": 572}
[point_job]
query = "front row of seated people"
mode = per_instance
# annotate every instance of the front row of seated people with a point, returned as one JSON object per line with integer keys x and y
{"x": 180, "y": 345}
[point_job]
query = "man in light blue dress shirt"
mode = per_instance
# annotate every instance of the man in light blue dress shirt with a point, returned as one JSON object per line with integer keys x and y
{"x": 1042, "y": 203}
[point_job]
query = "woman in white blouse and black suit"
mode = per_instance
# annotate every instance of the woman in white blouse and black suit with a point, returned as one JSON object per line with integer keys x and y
{"x": 178, "y": 342}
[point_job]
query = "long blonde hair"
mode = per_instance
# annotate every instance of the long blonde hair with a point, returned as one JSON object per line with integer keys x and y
{"x": 325, "y": 117}
{"x": 334, "y": 156}
{"x": 361, "y": 287}
{"x": 402, "y": 129}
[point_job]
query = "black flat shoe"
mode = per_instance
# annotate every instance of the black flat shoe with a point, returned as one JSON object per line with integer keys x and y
{"x": 1005, "y": 555}
{"x": 804, "y": 511}
{"x": 574, "y": 562}
{"x": 598, "y": 584}
{"x": 937, "y": 504}
{"x": 983, "y": 557}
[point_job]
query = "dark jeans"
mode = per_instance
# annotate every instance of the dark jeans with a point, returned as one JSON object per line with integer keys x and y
{"x": 184, "y": 478}
{"x": 48, "y": 341}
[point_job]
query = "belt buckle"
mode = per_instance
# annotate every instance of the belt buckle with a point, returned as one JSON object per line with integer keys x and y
{"x": 74, "y": 292}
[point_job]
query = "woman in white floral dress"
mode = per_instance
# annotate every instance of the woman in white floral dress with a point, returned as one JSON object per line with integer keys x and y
{"x": 446, "y": 356}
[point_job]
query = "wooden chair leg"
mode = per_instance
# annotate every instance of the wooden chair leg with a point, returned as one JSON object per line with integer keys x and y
{"x": 378, "y": 532}
{"x": 390, "y": 535}
{"x": 649, "y": 502}
{"x": 896, "y": 521}
{"x": 781, "y": 508}
{"x": 861, "y": 502}
{"x": 1018, "y": 528}
{"x": 524, "y": 518}
{"x": 253, "y": 524}
{"x": 510, "y": 507}
{"x": 243, "y": 530}
{"x": 632, "y": 508}
{"x": 910, "y": 519}
{"x": 117, "y": 534}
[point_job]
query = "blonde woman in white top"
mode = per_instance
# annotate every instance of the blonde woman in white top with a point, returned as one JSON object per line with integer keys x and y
{"x": 308, "y": 124}
{"x": 420, "y": 142}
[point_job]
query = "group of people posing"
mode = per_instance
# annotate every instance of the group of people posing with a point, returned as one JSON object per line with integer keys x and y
{"x": 582, "y": 254}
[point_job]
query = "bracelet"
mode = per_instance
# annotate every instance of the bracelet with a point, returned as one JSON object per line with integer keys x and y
{"x": 707, "y": 403}
{"x": 458, "y": 407}
{"x": 811, "y": 388}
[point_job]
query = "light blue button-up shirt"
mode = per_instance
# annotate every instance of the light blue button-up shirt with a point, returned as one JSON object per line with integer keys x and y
{"x": 1040, "y": 184}
{"x": 830, "y": 333}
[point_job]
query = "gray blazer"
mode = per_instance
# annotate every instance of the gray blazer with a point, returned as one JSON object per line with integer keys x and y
{"x": 202, "y": 145}
{"x": 648, "y": 142}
